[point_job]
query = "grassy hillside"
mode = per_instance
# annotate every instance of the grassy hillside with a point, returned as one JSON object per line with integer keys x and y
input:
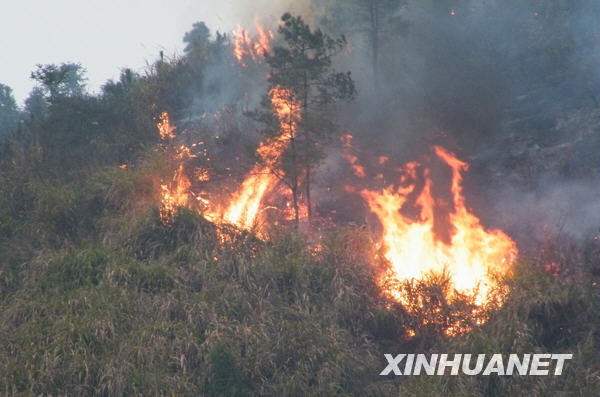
{"x": 99, "y": 297}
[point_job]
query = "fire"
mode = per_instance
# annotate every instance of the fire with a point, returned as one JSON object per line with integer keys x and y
{"x": 471, "y": 255}
{"x": 263, "y": 45}
{"x": 358, "y": 170}
{"x": 244, "y": 208}
{"x": 175, "y": 192}
{"x": 165, "y": 129}
{"x": 245, "y": 46}
{"x": 241, "y": 44}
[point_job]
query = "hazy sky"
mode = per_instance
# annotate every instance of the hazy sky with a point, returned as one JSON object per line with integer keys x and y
{"x": 107, "y": 35}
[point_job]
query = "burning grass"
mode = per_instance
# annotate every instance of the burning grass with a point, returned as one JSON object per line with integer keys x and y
{"x": 136, "y": 280}
{"x": 156, "y": 309}
{"x": 144, "y": 307}
{"x": 464, "y": 266}
{"x": 246, "y": 207}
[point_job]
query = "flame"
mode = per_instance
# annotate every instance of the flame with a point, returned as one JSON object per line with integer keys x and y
{"x": 284, "y": 205}
{"x": 358, "y": 169}
{"x": 203, "y": 175}
{"x": 471, "y": 256}
{"x": 263, "y": 44}
{"x": 176, "y": 192}
{"x": 165, "y": 129}
{"x": 243, "y": 209}
{"x": 241, "y": 44}
{"x": 245, "y": 46}
{"x": 552, "y": 268}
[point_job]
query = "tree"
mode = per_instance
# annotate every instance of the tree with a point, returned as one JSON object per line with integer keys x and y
{"x": 64, "y": 80}
{"x": 302, "y": 72}
{"x": 9, "y": 112}
{"x": 36, "y": 104}
{"x": 197, "y": 39}
{"x": 372, "y": 18}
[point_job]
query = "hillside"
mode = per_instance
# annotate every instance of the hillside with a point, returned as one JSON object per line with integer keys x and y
{"x": 274, "y": 210}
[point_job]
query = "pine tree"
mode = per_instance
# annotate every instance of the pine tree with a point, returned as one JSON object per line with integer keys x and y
{"x": 303, "y": 68}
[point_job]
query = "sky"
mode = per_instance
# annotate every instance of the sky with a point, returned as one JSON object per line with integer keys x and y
{"x": 106, "y": 36}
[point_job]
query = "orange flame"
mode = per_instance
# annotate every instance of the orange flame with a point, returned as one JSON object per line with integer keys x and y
{"x": 471, "y": 256}
{"x": 243, "y": 209}
{"x": 263, "y": 44}
{"x": 245, "y": 46}
{"x": 164, "y": 127}
{"x": 176, "y": 192}
{"x": 358, "y": 169}
{"x": 241, "y": 44}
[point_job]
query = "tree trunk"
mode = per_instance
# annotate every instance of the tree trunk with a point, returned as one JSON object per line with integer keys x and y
{"x": 307, "y": 142}
{"x": 294, "y": 186}
{"x": 296, "y": 209}
{"x": 308, "y": 203}
{"x": 374, "y": 13}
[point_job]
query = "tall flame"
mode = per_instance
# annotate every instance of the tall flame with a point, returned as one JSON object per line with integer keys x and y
{"x": 245, "y": 46}
{"x": 165, "y": 130}
{"x": 176, "y": 192}
{"x": 471, "y": 255}
{"x": 243, "y": 209}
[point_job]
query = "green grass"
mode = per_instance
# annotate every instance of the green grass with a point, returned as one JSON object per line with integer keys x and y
{"x": 100, "y": 298}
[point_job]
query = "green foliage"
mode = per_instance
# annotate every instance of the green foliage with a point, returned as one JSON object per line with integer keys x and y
{"x": 303, "y": 78}
{"x": 75, "y": 270}
{"x": 141, "y": 307}
{"x": 36, "y": 104}
{"x": 10, "y": 115}
{"x": 98, "y": 296}
{"x": 198, "y": 38}
{"x": 156, "y": 309}
{"x": 167, "y": 315}
{"x": 304, "y": 65}
{"x": 225, "y": 376}
{"x": 543, "y": 313}
{"x": 64, "y": 80}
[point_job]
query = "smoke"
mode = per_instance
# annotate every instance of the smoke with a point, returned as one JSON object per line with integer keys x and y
{"x": 556, "y": 212}
{"x": 225, "y": 16}
{"x": 512, "y": 86}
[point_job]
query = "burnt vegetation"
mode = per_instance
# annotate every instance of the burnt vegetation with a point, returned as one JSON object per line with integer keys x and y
{"x": 100, "y": 297}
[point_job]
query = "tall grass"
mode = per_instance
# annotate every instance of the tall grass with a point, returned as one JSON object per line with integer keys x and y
{"x": 100, "y": 298}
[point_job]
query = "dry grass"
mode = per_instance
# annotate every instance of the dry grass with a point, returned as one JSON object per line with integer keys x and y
{"x": 111, "y": 302}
